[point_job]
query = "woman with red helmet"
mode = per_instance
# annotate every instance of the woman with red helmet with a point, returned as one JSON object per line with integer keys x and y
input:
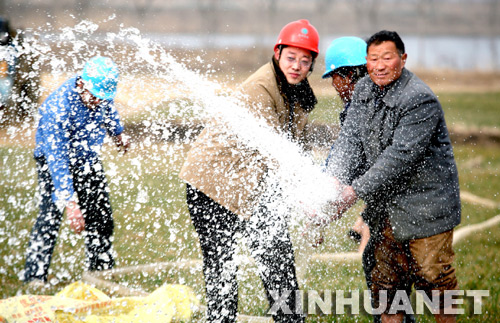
{"x": 226, "y": 182}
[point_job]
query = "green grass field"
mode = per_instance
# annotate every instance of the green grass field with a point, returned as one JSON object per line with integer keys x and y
{"x": 152, "y": 223}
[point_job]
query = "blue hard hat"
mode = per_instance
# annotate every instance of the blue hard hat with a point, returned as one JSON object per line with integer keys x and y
{"x": 344, "y": 51}
{"x": 100, "y": 76}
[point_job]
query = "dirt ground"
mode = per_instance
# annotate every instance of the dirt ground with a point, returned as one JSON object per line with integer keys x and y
{"x": 456, "y": 81}
{"x": 131, "y": 97}
{"x": 232, "y": 66}
{"x": 439, "y": 81}
{"x": 237, "y": 64}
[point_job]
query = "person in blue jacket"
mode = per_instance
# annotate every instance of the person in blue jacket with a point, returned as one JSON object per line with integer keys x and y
{"x": 74, "y": 121}
{"x": 345, "y": 64}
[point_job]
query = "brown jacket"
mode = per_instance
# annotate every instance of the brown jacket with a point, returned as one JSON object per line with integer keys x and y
{"x": 222, "y": 167}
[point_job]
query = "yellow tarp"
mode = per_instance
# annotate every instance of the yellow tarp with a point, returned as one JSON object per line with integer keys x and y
{"x": 80, "y": 302}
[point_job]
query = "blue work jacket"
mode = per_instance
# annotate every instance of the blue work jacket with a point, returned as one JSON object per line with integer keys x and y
{"x": 70, "y": 135}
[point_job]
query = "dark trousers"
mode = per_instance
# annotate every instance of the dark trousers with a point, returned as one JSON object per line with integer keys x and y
{"x": 269, "y": 242}
{"x": 92, "y": 191}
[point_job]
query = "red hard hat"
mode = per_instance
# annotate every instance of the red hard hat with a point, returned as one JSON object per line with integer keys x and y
{"x": 300, "y": 34}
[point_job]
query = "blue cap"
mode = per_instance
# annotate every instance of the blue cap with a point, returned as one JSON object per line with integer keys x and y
{"x": 344, "y": 51}
{"x": 100, "y": 76}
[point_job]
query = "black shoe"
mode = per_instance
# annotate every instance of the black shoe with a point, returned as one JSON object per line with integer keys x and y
{"x": 354, "y": 235}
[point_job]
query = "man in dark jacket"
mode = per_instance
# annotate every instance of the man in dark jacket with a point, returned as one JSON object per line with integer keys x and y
{"x": 395, "y": 136}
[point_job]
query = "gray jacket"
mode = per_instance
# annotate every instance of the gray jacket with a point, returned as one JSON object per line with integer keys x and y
{"x": 394, "y": 149}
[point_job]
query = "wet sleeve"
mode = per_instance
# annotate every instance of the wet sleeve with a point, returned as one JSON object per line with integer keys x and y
{"x": 346, "y": 158}
{"x": 56, "y": 147}
{"x": 112, "y": 120}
